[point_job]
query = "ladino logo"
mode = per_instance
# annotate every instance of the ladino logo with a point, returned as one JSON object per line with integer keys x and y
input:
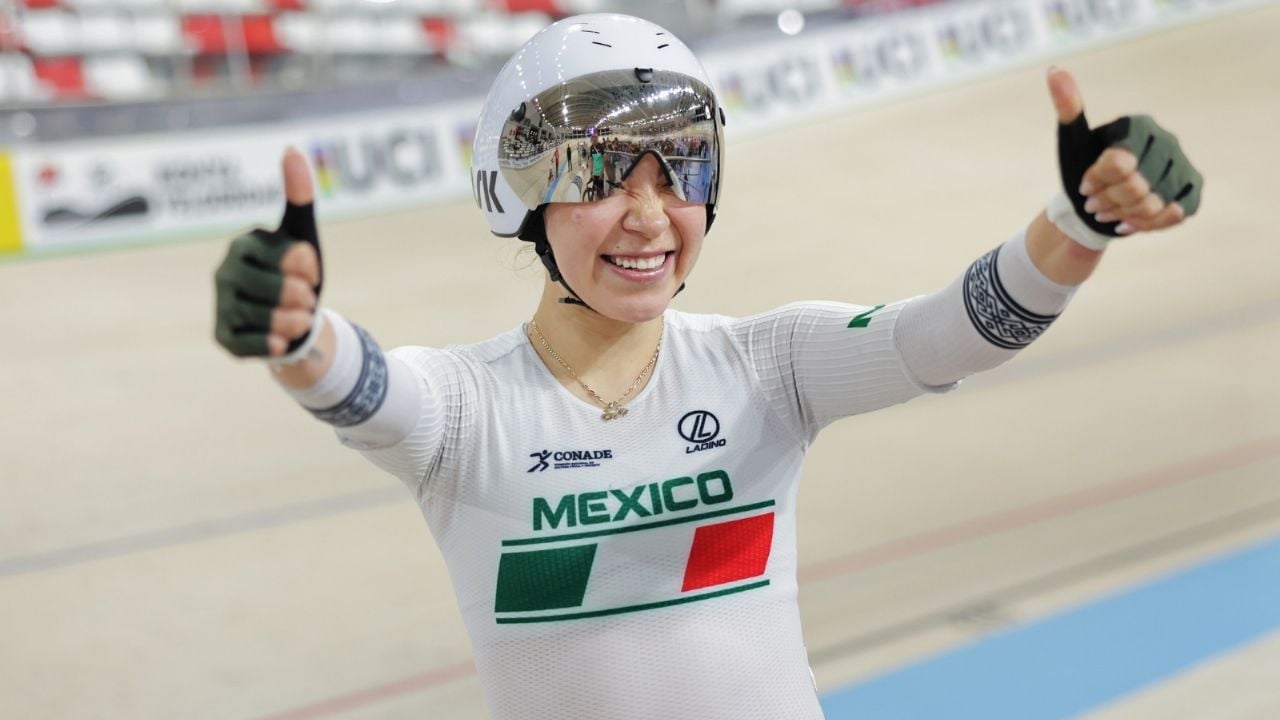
{"x": 701, "y": 428}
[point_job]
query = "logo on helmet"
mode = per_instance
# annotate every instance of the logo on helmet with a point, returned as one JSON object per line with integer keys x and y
{"x": 486, "y": 186}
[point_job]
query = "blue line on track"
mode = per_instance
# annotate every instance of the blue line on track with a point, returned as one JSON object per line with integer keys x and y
{"x": 1069, "y": 663}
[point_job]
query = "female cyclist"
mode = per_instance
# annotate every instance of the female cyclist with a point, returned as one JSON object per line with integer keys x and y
{"x": 613, "y": 483}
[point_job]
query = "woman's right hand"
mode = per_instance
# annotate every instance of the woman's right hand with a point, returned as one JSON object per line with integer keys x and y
{"x": 268, "y": 286}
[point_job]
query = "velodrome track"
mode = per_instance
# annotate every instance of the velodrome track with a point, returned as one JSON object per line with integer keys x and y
{"x": 179, "y": 540}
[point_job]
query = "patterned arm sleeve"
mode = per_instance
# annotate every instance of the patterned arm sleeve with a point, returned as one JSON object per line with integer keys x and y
{"x": 997, "y": 307}
{"x": 821, "y": 361}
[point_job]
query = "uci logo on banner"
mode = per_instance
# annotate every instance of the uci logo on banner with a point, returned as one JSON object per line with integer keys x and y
{"x": 702, "y": 429}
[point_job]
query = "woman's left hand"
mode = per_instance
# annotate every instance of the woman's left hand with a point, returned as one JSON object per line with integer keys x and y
{"x": 1127, "y": 176}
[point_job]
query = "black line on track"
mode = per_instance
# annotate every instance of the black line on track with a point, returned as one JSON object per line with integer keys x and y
{"x": 207, "y": 530}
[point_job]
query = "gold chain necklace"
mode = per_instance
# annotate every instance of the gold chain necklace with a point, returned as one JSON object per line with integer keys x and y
{"x": 612, "y": 410}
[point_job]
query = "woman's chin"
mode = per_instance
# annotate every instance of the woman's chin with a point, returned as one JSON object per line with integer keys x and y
{"x": 639, "y": 309}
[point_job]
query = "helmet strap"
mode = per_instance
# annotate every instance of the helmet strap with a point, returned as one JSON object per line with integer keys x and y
{"x": 535, "y": 231}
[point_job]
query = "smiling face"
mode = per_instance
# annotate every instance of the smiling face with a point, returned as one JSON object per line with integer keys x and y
{"x": 627, "y": 255}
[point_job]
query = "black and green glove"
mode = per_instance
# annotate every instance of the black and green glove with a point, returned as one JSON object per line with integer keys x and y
{"x": 1160, "y": 160}
{"x": 250, "y": 280}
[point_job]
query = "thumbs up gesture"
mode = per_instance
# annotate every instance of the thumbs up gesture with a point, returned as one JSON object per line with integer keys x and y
{"x": 1127, "y": 176}
{"x": 268, "y": 286}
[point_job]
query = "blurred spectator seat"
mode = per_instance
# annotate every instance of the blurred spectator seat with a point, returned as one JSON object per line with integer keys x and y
{"x": 118, "y": 76}
{"x": 157, "y": 34}
{"x": 50, "y": 32}
{"x": 354, "y": 34}
{"x": 496, "y": 34}
{"x": 102, "y": 31}
{"x": 402, "y": 34}
{"x": 92, "y": 5}
{"x": 221, "y": 7}
{"x": 442, "y": 8}
{"x": 299, "y": 31}
{"x": 144, "y": 5}
{"x": 747, "y": 8}
{"x": 18, "y": 79}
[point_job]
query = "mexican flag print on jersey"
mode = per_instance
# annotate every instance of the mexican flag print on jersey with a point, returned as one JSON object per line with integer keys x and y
{"x": 680, "y": 541}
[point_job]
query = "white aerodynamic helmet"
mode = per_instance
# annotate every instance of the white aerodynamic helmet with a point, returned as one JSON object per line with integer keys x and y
{"x": 578, "y": 105}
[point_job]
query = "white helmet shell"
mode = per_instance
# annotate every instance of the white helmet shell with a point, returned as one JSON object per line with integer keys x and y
{"x": 565, "y": 50}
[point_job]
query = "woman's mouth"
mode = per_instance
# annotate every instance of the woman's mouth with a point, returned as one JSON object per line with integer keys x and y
{"x": 643, "y": 264}
{"x": 639, "y": 267}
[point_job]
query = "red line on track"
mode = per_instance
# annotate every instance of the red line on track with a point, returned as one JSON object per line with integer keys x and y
{"x": 1097, "y": 496}
{"x": 377, "y": 693}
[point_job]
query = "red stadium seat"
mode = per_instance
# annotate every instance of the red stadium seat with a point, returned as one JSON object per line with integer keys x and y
{"x": 260, "y": 35}
{"x": 548, "y": 7}
{"x": 63, "y": 75}
{"x": 8, "y": 35}
{"x": 207, "y": 34}
{"x": 441, "y": 32}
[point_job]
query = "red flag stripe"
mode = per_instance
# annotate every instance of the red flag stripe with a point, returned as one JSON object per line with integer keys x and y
{"x": 729, "y": 551}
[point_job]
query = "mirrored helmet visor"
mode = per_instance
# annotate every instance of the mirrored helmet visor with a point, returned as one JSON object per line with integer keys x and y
{"x": 578, "y": 141}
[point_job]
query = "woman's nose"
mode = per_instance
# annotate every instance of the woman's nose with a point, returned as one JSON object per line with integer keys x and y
{"x": 646, "y": 214}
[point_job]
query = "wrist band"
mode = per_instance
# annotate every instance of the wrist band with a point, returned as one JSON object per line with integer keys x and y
{"x": 1063, "y": 216}
{"x": 313, "y": 335}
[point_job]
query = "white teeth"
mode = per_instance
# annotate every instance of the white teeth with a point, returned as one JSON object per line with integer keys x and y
{"x": 633, "y": 263}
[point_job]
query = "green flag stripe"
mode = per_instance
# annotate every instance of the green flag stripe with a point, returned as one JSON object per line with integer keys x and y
{"x": 632, "y": 608}
{"x": 638, "y": 527}
{"x": 544, "y": 579}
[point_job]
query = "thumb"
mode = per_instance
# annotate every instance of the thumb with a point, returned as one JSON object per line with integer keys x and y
{"x": 1066, "y": 95}
{"x": 297, "y": 178}
{"x": 299, "y": 220}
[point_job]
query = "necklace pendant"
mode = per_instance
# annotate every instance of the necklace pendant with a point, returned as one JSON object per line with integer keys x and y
{"x": 612, "y": 412}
